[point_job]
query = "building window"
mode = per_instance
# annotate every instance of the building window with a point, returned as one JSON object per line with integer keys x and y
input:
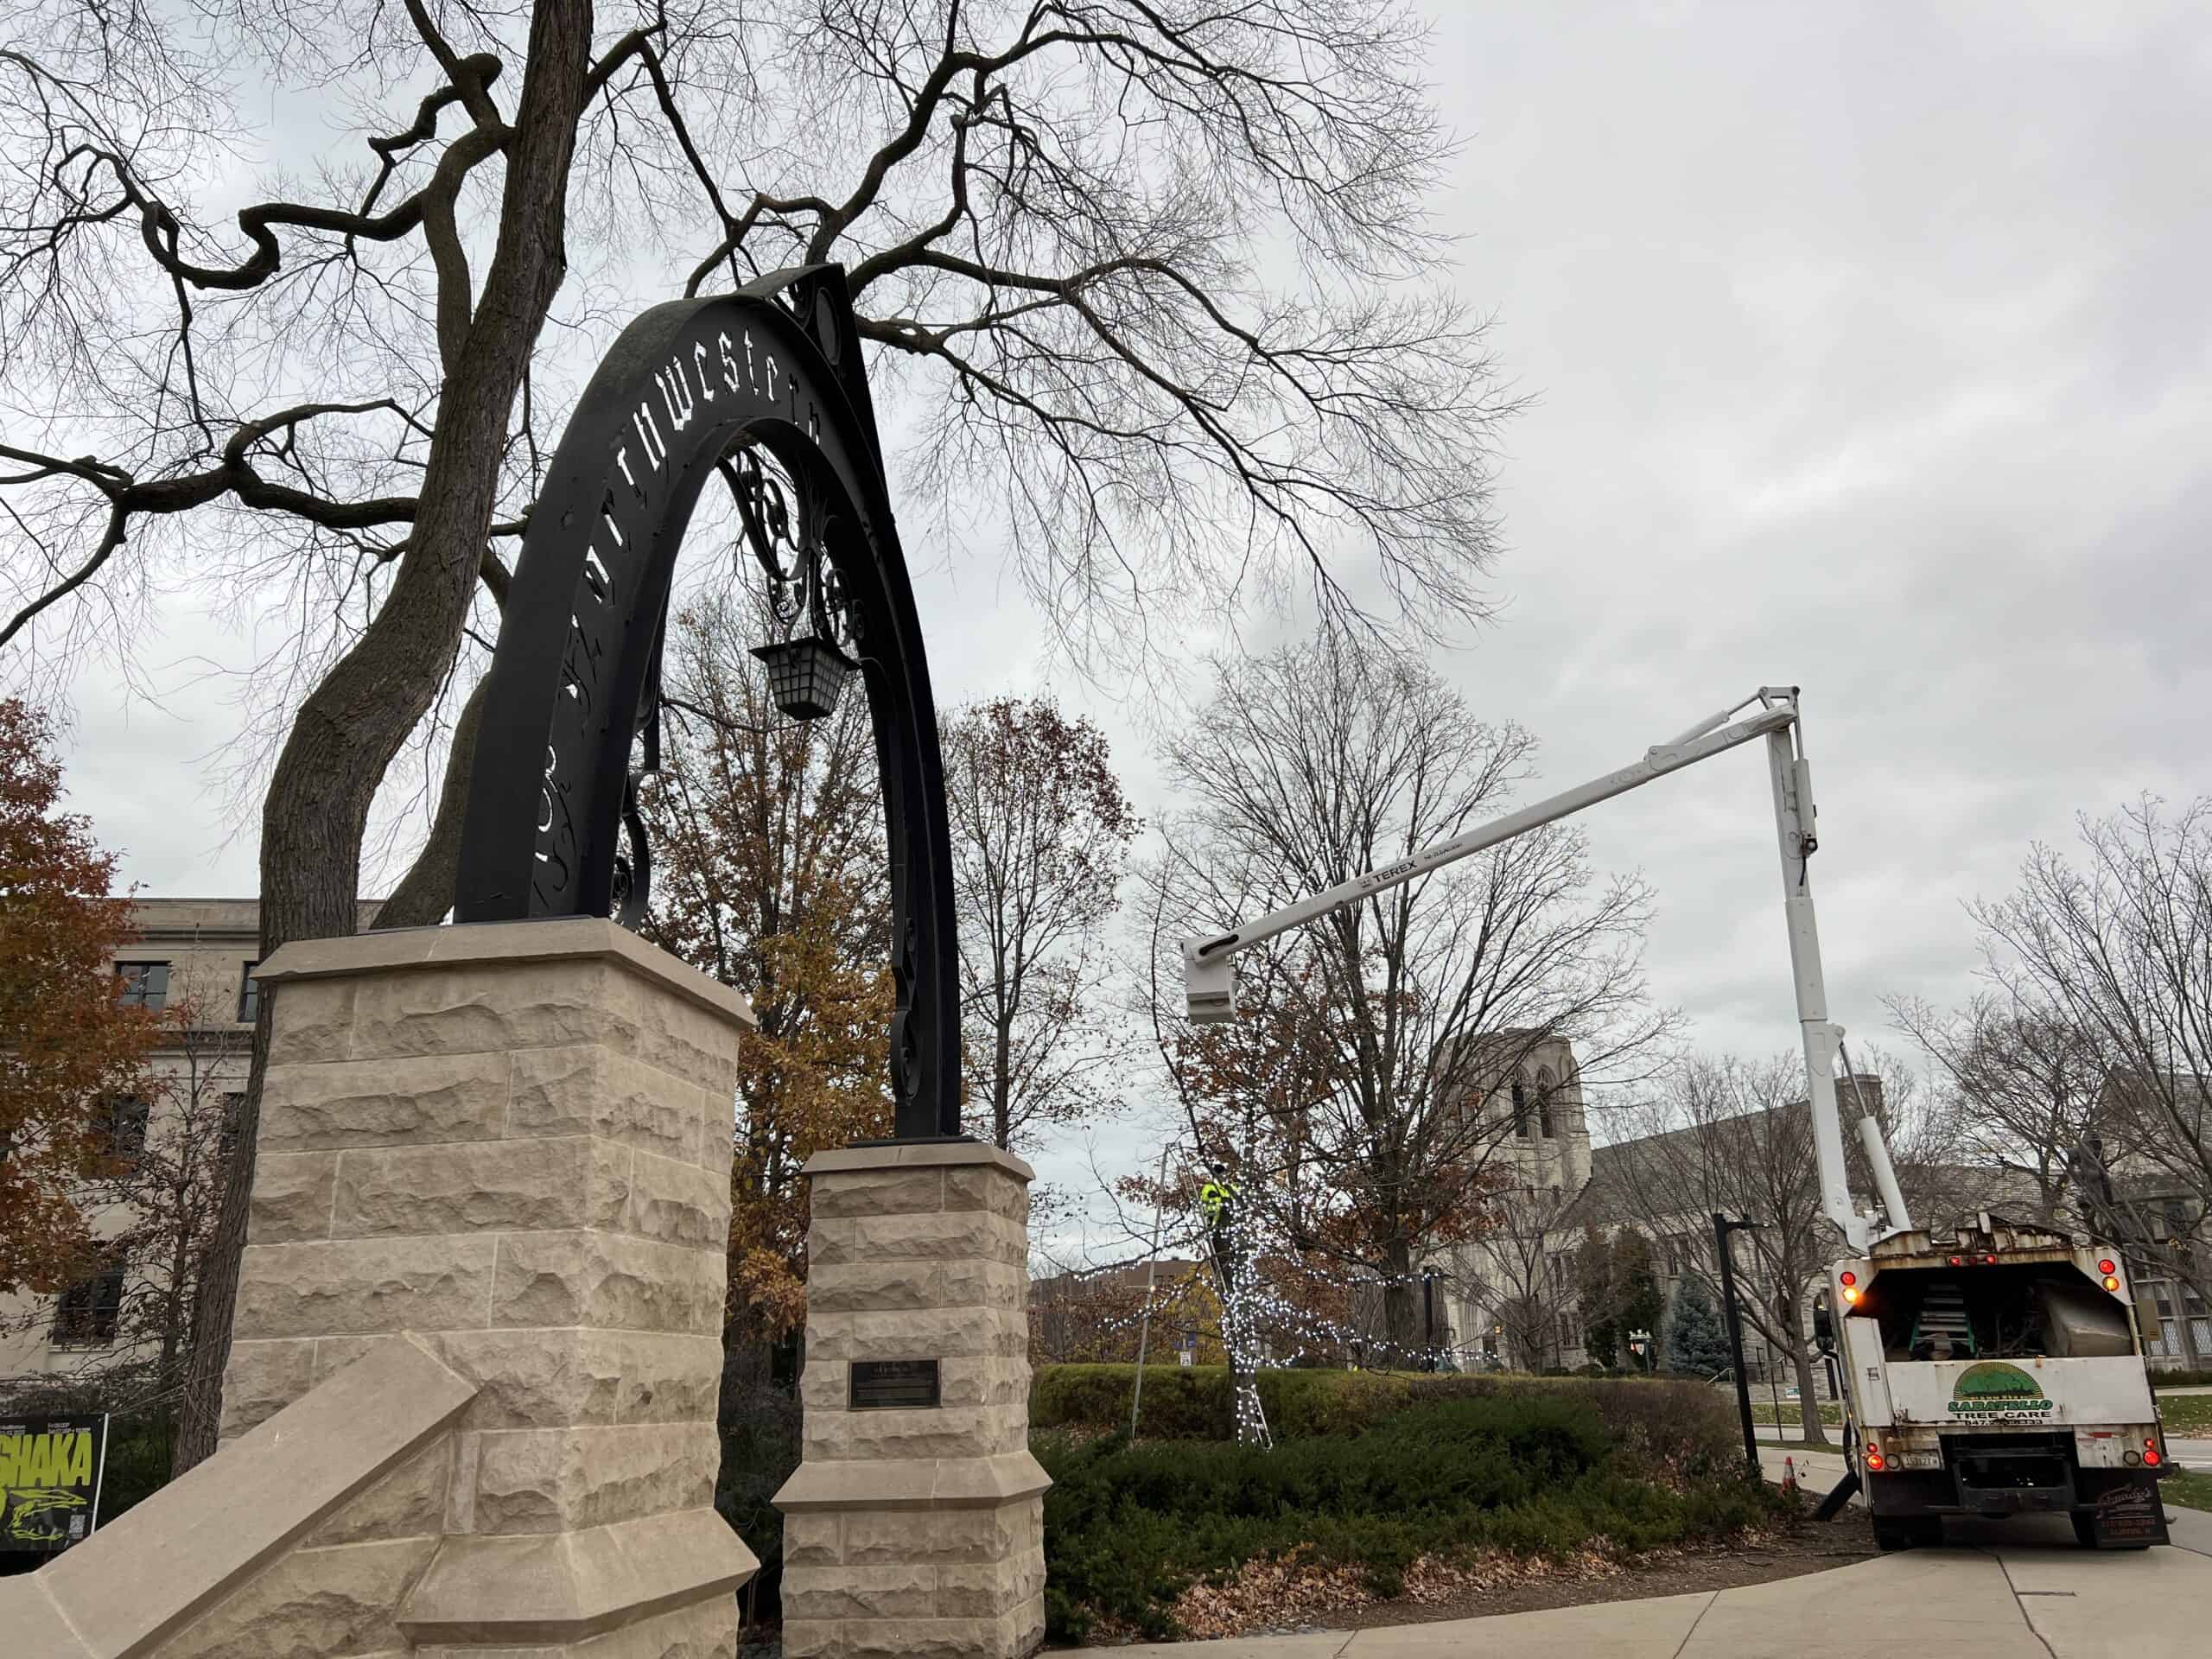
{"x": 1544, "y": 1104}
{"x": 145, "y": 984}
{"x": 85, "y": 1314}
{"x": 249, "y": 995}
{"x": 1521, "y": 1106}
{"x": 119, "y": 1128}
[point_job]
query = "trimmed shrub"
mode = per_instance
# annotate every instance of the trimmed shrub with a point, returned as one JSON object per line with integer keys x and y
{"x": 1679, "y": 1423}
{"x": 1180, "y": 1403}
{"x": 1193, "y": 1402}
{"x": 1128, "y": 1526}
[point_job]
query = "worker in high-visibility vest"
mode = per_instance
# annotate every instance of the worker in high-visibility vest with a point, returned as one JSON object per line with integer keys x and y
{"x": 1214, "y": 1198}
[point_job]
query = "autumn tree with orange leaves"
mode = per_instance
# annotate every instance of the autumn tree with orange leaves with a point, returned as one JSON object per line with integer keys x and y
{"x": 769, "y": 874}
{"x": 66, "y": 1041}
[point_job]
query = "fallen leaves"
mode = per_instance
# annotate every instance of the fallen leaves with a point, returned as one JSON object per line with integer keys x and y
{"x": 1295, "y": 1589}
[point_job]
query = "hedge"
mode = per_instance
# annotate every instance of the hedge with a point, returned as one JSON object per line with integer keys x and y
{"x": 1536, "y": 1472}
{"x": 1683, "y": 1423}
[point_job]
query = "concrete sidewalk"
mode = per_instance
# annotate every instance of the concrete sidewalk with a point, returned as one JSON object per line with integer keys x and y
{"x": 2006, "y": 1591}
{"x": 1942, "y": 1602}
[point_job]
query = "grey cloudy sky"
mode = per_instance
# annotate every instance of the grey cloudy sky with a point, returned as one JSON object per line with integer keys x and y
{"x": 1869, "y": 352}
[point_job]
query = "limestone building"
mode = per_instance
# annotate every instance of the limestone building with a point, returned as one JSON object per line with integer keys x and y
{"x": 1507, "y": 1293}
{"x": 193, "y": 958}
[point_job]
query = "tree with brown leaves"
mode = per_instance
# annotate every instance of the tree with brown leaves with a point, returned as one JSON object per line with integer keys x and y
{"x": 70, "y": 1040}
{"x": 1040, "y": 836}
{"x": 769, "y": 875}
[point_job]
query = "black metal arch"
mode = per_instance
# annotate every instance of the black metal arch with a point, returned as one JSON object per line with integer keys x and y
{"x": 573, "y": 682}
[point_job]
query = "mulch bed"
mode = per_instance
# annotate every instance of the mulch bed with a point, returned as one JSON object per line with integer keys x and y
{"x": 1814, "y": 1548}
{"x": 1317, "y": 1600}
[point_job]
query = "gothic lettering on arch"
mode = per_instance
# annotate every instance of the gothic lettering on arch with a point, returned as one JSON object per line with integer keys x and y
{"x": 764, "y": 389}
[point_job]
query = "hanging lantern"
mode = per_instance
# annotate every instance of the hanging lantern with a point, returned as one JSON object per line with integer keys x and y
{"x": 805, "y": 675}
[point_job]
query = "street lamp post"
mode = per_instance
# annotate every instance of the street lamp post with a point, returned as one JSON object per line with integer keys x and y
{"x": 1721, "y": 1228}
{"x": 1428, "y": 1318}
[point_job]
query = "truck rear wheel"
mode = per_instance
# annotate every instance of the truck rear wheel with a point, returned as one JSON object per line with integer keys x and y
{"x": 1908, "y": 1532}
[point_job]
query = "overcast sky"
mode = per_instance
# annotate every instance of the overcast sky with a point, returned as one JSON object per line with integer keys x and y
{"x": 1869, "y": 352}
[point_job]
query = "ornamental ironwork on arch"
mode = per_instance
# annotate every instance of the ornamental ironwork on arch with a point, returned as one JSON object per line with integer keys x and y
{"x": 763, "y": 389}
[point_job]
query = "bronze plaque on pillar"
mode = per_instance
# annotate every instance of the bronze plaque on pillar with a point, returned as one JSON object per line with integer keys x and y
{"x": 885, "y": 1384}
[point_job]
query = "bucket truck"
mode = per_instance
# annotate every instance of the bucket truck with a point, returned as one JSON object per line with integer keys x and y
{"x": 1995, "y": 1371}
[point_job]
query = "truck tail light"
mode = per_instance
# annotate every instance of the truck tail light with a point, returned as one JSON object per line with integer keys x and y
{"x": 2107, "y": 1266}
{"x": 2112, "y": 1284}
{"x": 2151, "y": 1453}
{"x": 1850, "y": 1294}
{"x": 1874, "y": 1459}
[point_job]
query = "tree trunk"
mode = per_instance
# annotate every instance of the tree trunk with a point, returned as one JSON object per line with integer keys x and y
{"x": 1002, "y": 1082}
{"x": 425, "y": 893}
{"x": 1401, "y": 1304}
{"x": 1808, "y": 1399}
{"x": 1233, "y": 1271}
{"x": 353, "y": 722}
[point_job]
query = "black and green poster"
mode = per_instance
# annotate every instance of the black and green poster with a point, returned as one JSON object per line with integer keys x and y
{"x": 50, "y": 1481}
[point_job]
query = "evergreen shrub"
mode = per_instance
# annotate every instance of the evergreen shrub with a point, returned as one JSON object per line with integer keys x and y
{"x": 1128, "y": 1526}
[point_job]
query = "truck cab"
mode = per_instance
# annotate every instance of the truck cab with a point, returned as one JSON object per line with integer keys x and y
{"x": 1998, "y": 1371}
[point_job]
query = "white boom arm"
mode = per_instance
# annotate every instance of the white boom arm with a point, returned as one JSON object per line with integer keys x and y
{"x": 1210, "y": 971}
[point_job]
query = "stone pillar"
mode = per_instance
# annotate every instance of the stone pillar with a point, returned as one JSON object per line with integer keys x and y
{"x": 511, "y": 1142}
{"x": 914, "y": 1528}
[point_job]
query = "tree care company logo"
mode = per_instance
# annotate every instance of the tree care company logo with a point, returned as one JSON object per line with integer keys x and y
{"x": 1993, "y": 1391}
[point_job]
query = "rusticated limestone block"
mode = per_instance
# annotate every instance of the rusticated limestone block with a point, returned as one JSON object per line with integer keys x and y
{"x": 507, "y": 1146}
{"x": 909, "y": 1529}
{"x": 408, "y": 1503}
{"x": 292, "y": 1194}
{"x": 563, "y": 1479}
{"x": 332, "y": 1601}
{"x": 357, "y": 1286}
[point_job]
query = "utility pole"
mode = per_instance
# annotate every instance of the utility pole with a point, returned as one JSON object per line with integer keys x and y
{"x": 1721, "y": 1228}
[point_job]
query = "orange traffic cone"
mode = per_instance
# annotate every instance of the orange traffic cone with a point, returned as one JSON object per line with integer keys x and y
{"x": 1790, "y": 1477}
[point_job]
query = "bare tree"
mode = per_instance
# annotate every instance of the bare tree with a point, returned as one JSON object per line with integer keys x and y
{"x": 2022, "y": 1089}
{"x": 1529, "y": 1248}
{"x": 1040, "y": 837}
{"x": 1386, "y": 1028}
{"x": 2118, "y": 947}
{"x": 1160, "y": 272}
{"x": 1735, "y": 1137}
